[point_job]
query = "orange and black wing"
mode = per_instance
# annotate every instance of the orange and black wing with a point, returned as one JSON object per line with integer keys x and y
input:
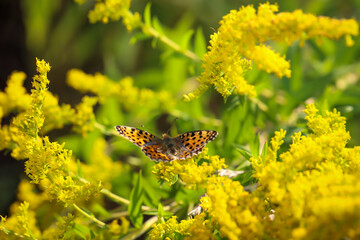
{"x": 153, "y": 152}
{"x": 193, "y": 142}
{"x": 137, "y": 136}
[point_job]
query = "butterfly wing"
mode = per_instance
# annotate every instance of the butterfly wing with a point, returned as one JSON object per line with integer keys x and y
{"x": 137, "y": 136}
{"x": 192, "y": 143}
{"x": 153, "y": 152}
{"x": 185, "y": 154}
{"x": 188, "y": 144}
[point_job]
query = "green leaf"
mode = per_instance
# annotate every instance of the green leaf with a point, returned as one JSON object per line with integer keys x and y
{"x": 255, "y": 146}
{"x": 92, "y": 234}
{"x": 186, "y": 196}
{"x": 72, "y": 142}
{"x": 175, "y": 71}
{"x": 233, "y": 119}
{"x": 160, "y": 210}
{"x": 150, "y": 195}
{"x": 81, "y": 231}
{"x": 157, "y": 25}
{"x": 138, "y": 37}
{"x": 202, "y": 160}
{"x": 147, "y": 15}
{"x": 79, "y": 170}
{"x": 87, "y": 145}
{"x": 244, "y": 152}
{"x": 98, "y": 209}
{"x": 184, "y": 44}
{"x": 200, "y": 43}
{"x": 136, "y": 200}
{"x": 109, "y": 113}
{"x": 264, "y": 150}
{"x": 154, "y": 42}
{"x": 243, "y": 166}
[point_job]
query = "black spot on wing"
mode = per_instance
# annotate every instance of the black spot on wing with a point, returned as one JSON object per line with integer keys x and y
{"x": 195, "y": 141}
{"x": 154, "y": 154}
{"x": 137, "y": 136}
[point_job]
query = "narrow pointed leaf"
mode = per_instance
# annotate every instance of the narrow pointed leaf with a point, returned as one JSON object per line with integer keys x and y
{"x": 136, "y": 200}
{"x": 147, "y": 15}
{"x": 200, "y": 43}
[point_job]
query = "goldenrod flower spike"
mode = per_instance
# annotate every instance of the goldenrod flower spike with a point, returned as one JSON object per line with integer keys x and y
{"x": 14, "y": 97}
{"x": 316, "y": 178}
{"x": 130, "y": 96}
{"x": 196, "y": 227}
{"x": 191, "y": 175}
{"x": 113, "y": 10}
{"x": 241, "y": 39}
{"x": 47, "y": 162}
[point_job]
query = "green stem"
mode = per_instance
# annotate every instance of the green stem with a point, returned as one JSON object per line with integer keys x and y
{"x": 9, "y": 232}
{"x": 94, "y": 219}
{"x": 146, "y": 226}
{"x": 170, "y": 43}
{"x": 116, "y": 215}
{"x": 119, "y": 199}
{"x": 114, "y": 197}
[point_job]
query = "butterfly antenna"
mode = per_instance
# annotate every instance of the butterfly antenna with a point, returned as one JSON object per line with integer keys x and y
{"x": 174, "y": 122}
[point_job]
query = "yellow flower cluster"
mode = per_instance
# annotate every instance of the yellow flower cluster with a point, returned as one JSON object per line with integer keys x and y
{"x": 242, "y": 36}
{"x": 84, "y": 118}
{"x": 193, "y": 228}
{"x": 117, "y": 229}
{"x": 14, "y": 98}
{"x": 237, "y": 213}
{"x": 190, "y": 173}
{"x": 314, "y": 188}
{"x": 62, "y": 230}
{"x": 233, "y": 211}
{"x": 114, "y": 10}
{"x": 67, "y": 190}
{"x": 47, "y": 162}
{"x": 40, "y": 153}
{"x": 227, "y": 208}
{"x": 34, "y": 118}
{"x": 170, "y": 228}
{"x": 310, "y": 191}
{"x": 201, "y": 228}
{"x": 56, "y": 116}
{"x": 124, "y": 91}
{"x": 21, "y": 225}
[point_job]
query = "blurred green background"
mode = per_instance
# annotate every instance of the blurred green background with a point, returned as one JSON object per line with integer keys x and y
{"x": 59, "y": 32}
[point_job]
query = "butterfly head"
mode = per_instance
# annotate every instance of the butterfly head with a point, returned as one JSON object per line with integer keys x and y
{"x": 166, "y": 136}
{"x": 169, "y": 144}
{"x": 167, "y": 140}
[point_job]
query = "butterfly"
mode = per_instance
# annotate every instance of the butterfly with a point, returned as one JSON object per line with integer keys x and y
{"x": 168, "y": 148}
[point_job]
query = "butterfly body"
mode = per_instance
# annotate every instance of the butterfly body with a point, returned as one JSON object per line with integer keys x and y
{"x": 168, "y": 148}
